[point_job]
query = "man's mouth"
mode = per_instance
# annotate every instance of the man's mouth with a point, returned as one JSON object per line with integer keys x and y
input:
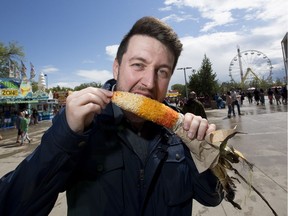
{"x": 144, "y": 94}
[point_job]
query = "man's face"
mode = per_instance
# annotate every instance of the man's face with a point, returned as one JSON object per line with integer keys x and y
{"x": 146, "y": 68}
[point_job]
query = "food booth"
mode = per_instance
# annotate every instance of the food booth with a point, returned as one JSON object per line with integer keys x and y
{"x": 17, "y": 95}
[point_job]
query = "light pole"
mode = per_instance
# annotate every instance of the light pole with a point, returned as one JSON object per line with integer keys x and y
{"x": 186, "y": 89}
{"x": 46, "y": 75}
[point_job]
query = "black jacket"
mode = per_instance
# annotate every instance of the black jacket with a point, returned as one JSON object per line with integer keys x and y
{"x": 103, "y": 175}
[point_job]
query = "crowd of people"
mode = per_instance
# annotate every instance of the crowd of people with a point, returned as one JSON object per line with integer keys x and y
{"x": 276, "y": 95}
{"x": 232, "y": 99}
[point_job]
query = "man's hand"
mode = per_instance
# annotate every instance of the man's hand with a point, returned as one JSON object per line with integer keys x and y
{"x": 83, "y": 105}
{"x": 196, "y": 126}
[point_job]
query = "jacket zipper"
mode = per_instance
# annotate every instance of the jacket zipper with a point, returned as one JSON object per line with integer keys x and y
{"x": 141, "y": 177}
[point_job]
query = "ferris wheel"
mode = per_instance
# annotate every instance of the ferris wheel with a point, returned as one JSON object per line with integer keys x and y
{"x": 250, "y": 65}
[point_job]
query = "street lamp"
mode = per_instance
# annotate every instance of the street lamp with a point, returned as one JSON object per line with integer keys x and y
{"x": 186, "y": 89}
{"x": 285, "y": 54}
{"x": 46, "y": 75}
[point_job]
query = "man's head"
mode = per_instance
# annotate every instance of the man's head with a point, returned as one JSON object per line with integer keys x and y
{"x": 155, "y": 28}
{"x": 146, "y": 59}
{"x": 192, "y": 95}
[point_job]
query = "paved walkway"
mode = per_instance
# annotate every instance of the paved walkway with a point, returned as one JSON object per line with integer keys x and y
{"x": 265, "y": 145}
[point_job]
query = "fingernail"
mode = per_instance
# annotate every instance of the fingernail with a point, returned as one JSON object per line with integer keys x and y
{"x": 190, "y": 135}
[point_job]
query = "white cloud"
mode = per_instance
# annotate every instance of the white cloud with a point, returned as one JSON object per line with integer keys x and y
{"x": 85, "y": 76}
{"x": 111, "y": 51}
{"x": 219, "y": 18}
{"x": 178, "y": 18}
{"x": 219, "y": 12}
{"x": 253, "y": 25}
{"x": 95, "y": 75}
{"x": 48, "y": 69}
{"x": 65, "y": 84}
{"x": 165, "y": 8}
{"x": 220, "y": 48}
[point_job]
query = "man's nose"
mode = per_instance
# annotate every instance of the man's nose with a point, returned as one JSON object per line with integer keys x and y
{"x": 149, "y": 78}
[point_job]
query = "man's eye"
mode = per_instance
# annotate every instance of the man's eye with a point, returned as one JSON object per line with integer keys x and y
{"x": 137, "y": 66}
{"x": 163, "y": 73}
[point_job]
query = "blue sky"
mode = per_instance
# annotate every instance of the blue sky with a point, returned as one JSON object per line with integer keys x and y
{"x": 75, "y": 41}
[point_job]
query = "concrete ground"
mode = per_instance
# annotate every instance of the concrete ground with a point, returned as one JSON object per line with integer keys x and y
{"x": 264, "y": 145}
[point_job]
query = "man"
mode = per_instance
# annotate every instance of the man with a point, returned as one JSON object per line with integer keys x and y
{"x": 111, "y": 162}
{"x": 24, "y": 127}
{"x": 194, "y": 106}
{"x": 235, "y": 102}
{"x": 229, "y": 103}
{"x": 17, "y": 126}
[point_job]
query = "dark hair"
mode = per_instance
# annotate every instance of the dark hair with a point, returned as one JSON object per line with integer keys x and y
{"x": 154, "y": 28}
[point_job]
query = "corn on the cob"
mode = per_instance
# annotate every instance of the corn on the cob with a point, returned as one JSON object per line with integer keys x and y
{"x": 161, "y": 114}
{"x": 148, "y": 109}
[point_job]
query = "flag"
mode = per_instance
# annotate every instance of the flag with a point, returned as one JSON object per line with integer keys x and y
{"x": 16, "y": 72}
{"x": 11, "y": 69}
{"x": 32, "y": 71}
{"x": 23, "y": 71}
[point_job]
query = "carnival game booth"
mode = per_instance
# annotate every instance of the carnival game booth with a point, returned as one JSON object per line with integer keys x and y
{"x": 173, "y": 97}
{"x": 46, "y": 108}
{"x": 16, "y": 95}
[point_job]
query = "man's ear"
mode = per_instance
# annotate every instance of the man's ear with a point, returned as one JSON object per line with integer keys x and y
{"x": 115, "y": 69}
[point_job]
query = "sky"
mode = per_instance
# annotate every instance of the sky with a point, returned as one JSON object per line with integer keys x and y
{"x": 75, "y": 42}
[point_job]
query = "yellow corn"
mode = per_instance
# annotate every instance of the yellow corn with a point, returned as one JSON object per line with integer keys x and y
{"x": 147, "y": 108}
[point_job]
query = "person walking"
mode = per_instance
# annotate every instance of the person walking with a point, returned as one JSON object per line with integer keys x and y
{"x": 35, "y": 116}
{"x": 18, "y": 120}
{"x": 235, "y": 102}
{"x": 229, "y": 102}
{"x": 111, "y": 161}
{"x": 284, "y": 94}
{"x": 270, "y": 96}
{"x": 250, "y": 97}
{"x": 277, "y": 96}
{"x": 194, "y": 106}
{"x": 262, "y": 96}
{"x": 257, "y": 96}
{"x": 24, "y": 126}
{"x": 242, "y": 97}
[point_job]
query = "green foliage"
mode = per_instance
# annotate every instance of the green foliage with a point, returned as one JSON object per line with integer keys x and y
{"x": 204, "y": 82}
{"x": 59, "y": 89}
{"x": 85, "y": 85}
{"x": 180, "y": 88}
{"x": 10, "y": 54}
{"x": 34, "y": 86}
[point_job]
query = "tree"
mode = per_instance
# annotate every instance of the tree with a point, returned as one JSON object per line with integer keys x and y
{"x": 85, "y": 85}
{"x": 9, "y": 55}
{"x": 204, "y": 82}
{"x": 180, "y": 88}
{"x": 34, "y": 86}
{"x": 60, "y": 89}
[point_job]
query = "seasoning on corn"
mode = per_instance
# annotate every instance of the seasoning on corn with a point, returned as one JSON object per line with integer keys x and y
{"x": 148, "y": 109}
